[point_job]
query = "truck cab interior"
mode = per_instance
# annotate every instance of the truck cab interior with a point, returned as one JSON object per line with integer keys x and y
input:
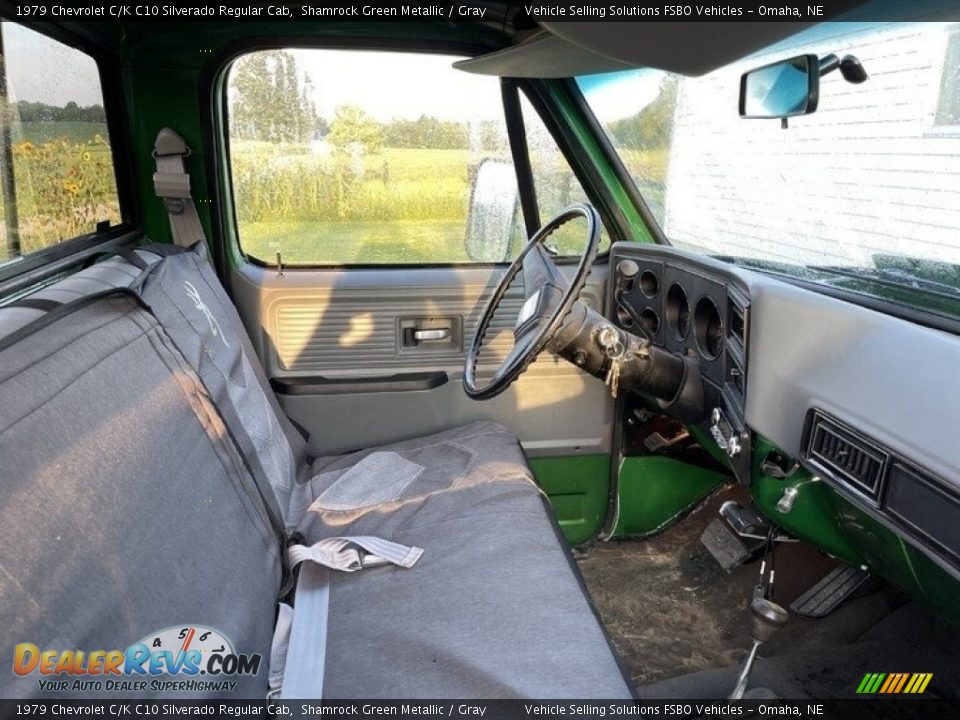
{"x": 480, "y": 358}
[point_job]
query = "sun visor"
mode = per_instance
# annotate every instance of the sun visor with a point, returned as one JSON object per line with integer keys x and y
{"x": 542, "y": 56}
{"x": 571, "y": 48}
{"x": 686, "y": 48}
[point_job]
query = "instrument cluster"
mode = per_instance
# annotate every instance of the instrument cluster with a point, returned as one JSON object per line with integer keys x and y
{"x": 692, "y": 311}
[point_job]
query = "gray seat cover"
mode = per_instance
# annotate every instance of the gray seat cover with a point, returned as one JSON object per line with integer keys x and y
{"x": 189, "y": 301}
{"x": 477, "y": 453}
{"x": 124, "y": 507}
{"x": 495, "y": 608}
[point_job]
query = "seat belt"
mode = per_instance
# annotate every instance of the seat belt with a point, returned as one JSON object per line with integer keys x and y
{"x": 172, "y": 185}
{"x": 299, "y": 650}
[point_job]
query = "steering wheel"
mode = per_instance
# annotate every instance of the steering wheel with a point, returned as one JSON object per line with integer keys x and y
{"x": 548, "y": 298}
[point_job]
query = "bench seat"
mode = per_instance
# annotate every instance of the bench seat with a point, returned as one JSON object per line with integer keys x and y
{"x": 135, "y": 497}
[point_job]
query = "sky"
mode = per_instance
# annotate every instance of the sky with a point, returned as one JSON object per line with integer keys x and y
{"x": 614, "y": 96}
{"x": 40, "y": 69}
{"x": 391, "y": 85}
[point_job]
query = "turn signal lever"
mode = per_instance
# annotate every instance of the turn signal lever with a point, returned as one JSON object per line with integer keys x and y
{"x": 627, "y": 362}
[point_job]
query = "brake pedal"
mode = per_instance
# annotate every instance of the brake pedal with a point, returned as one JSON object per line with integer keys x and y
{"x": 831, "y": 592}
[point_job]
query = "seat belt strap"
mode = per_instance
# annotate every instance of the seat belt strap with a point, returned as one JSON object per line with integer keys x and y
{"x": 306, "y": 656}
{"x": 172, "y": 185}
{"x": 298, "y": 653}
{"x": 278, "y": 649}
{"x": 349, "y": 554}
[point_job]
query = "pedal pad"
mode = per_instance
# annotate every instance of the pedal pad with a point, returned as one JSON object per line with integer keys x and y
{"x": 828, "y": 594}
{"x": 725, "y": 545}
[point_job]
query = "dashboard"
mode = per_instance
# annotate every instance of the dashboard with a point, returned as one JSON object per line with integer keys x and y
{"x": 866, "y": 402}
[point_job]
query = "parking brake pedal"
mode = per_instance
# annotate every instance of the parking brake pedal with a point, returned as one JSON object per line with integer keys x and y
{"x": 828, "y": 594}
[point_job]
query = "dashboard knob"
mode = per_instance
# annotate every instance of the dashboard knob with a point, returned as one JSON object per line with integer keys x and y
{"x": 627, "y": 269}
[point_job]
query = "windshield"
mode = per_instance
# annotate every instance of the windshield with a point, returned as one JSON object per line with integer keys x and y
{"x": 868, "y": 187}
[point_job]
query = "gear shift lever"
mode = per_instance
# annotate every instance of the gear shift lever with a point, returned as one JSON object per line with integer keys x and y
{"x": 766, "y": 619}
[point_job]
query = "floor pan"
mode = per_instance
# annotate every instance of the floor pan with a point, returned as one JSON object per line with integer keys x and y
{"x": 673, "y": 613}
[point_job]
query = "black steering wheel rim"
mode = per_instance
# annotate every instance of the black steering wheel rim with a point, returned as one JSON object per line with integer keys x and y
{"x": 511, "y": 369}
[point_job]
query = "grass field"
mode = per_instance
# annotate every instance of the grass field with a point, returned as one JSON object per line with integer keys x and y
{"x": 393, "y": 206}
{"x": 310, "y": 203}
{"x": 45, "y": 132}
{"x": 384, "y": 242}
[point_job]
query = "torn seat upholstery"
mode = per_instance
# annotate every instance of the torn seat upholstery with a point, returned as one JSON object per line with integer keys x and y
{"x": 150, "y": 484}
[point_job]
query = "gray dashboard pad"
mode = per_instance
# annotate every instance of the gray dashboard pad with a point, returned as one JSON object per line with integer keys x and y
{"x": 893, "y": 381}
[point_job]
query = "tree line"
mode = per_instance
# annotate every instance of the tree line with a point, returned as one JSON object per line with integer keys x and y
{"x": 652, "y": 127}
{"x": 71, "y": 112}
{"x": 273, "y": 102}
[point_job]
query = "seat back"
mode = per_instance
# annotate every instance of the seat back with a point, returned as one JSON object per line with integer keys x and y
{"x": 180, "y": 288}
{"x": 185, "y": 295}
{"x": 129, "y": 518}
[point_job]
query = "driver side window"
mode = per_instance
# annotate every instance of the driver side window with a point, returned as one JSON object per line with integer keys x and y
{"x": 347, "y": 157}
{"x": 342, "y": 157}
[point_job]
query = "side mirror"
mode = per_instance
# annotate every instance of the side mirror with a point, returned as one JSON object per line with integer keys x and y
{"x": 493, "y": 213}
{"x": 783, "y": 89}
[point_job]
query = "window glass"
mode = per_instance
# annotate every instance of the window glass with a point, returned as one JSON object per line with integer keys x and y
{"x": 860, "y": 194}
{"x": 948, "y": 101}
{"x": 57, "y": 178}
{"x": 357, "y": 157}
{"x": 556, "y": 185}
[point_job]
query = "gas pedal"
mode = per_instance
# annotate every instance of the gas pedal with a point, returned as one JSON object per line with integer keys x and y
{"x": 830, "y": 593}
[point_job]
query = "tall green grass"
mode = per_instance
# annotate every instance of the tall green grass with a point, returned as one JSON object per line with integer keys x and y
{"x": 394, "y": 206}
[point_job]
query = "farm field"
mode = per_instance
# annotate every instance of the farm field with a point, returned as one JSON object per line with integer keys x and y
{"x": 393, "y": 206}
{"x": 321, "y": 242}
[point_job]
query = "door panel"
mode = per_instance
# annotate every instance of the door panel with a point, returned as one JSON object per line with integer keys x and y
{"x": 337, "y": 345}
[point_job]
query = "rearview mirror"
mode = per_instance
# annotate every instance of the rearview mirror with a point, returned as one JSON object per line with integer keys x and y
{"x": 781, "y": 90}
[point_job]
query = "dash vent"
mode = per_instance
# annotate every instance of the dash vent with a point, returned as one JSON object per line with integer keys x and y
{"x": 846, "y": 457}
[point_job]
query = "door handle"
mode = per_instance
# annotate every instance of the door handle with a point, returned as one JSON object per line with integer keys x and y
{"x": 431, "y": 335}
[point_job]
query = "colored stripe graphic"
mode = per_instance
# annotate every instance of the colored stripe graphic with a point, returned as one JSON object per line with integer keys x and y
{"x": 894, "y": 683}
{"x": 913, "y": 681}
{"x": 903, "y": 681}
{"x": 892, "y": 680}
{"x": 918, "y": 683}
